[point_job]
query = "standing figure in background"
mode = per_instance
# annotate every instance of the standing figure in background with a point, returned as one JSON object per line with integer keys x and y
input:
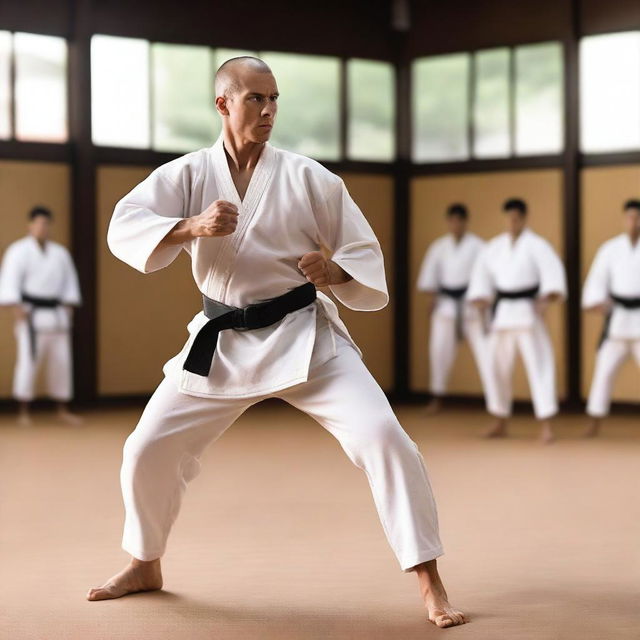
{"x": 444, "y": 275}
{"x": 613, "y": 289}
{"x": 518, "y": 274}
{"x": 39, "y": 281}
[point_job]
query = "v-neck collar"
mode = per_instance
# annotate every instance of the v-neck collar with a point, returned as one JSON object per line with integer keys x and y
{"x": 42, "y": 250}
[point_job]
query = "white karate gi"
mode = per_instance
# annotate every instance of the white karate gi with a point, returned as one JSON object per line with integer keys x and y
{"x": 615, "y": 270}
{"x": 507, "y": 266}
{"x": 292, "y": 206}
{"x": 448, "y": 264}
{"x": 47, "y": 272}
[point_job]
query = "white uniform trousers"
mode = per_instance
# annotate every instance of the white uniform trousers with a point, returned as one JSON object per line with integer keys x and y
{"x": 162, "y": 455}
{"x": 53, "y": 351}
{"x": 611, "y": 355}
{"x": 443, "y": 347}
{"x": 534, "y": 345}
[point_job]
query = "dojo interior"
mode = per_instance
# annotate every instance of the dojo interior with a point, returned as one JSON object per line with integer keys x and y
{"x": 415, "y": 105}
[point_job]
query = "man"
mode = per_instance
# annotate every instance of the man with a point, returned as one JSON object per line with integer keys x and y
{"x": 38, "y": 280}
{"x": 256, "y": 221}
{"x": 613, "y": 289}
{"x": 444, "y": 275}
{"x": 520, "y": 273}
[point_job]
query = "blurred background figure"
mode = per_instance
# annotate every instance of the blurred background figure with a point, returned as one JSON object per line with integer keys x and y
{"x": 444, "y": 276}
{"x": 519, "y": 274}
{"x": 39, "y": 282}
{"x": 612, "y": 288}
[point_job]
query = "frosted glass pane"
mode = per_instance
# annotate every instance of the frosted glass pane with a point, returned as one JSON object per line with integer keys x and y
{"x": 41, "y": 87}
{"x": 120, "y": 92}
{"x": 539, "y": 99}
{"x": 308, "y": 108}
{"x": 371, "y": 109}
{"x": 610, "y": 92}
{"x": 5, "y": 85}
{"x": 491, "y": 104}
{"x": 183, "y": 101}
{"x": 440, "y": 108}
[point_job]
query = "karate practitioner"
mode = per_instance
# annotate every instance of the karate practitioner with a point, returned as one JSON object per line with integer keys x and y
{"x": 256, "y": 221}
{"x": 613, "y": 289}
{"x": 39, "y": 281}
{"x": 519, "y": 274}
{"x": 444, "y": 274}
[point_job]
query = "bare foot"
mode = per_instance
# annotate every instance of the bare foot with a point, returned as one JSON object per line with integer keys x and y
{"x": 70, "y": 418}
{"x": 593, "y": 429}
{"x": 546, "y": 433}
{"x": 137, "y": 576}
{"x": 439, "y": 611}
{"x": 434, "y": 407}
{"x": 497, "y": 430}
{"x": 24, "y": 419}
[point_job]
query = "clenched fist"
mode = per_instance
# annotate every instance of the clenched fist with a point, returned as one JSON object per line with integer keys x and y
{"x": 220, "y": 218}
{"x": 322, "y": 272}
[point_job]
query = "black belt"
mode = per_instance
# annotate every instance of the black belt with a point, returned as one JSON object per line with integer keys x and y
{"x": 457, "y": 295}
{"x": 254, "y": 316}
{"x": 37, "y": 303}
{"x": 627, "y": 303}
{"x": 532, "y": 292}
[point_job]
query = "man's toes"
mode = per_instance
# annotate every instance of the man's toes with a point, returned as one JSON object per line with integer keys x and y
{"x": 444, "y": 621}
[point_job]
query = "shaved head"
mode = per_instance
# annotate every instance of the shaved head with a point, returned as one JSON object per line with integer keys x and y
{"x": 228, "y": 76}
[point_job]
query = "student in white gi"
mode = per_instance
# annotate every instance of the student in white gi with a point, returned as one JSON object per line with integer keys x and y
{"x": 519, "y": 274}
{"x": 39, "y": 281}
{"x": 256, "y": 221}
{"x": 444, "y": 274}
{"x": 612, "y": 288}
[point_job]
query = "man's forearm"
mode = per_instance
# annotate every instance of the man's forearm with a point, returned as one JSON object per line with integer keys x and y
{"x": 181, "y": 232}
{"x": 337, "y": 275}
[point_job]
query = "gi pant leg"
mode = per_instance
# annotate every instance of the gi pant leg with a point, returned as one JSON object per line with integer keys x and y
{"x": 501, "y": 355}
{"x": 478, "y": 342}
{"x": 442, "y": 352}
{"x": 56, "y": 347}
{"x": 346, "y": 400}
{"x": 26, "y": 368}
{"x": 611, "y": 355}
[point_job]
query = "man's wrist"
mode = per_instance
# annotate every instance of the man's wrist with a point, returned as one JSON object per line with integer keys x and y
{"x": 337, "y": 275}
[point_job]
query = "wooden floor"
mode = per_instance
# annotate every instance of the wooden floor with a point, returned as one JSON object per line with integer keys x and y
{"x": 278, "y": 537}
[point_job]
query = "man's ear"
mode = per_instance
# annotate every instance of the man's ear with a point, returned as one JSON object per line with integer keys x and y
{"x": 221, "y": 106}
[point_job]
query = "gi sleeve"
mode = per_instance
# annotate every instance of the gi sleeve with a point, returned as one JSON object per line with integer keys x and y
{"x": 481, "y": 285}
{"x": 596, "y": 286}
{"x": 142, "y": 219}
{"x": 11, "y": 276}
{"x": 71, "y": 288}
{"x": 553, "y": 278}
{"x": 428, "y": 276}
{"x": 346, "y": 233}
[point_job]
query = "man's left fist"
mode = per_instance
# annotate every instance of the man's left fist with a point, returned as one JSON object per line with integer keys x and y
{"x": 322, "y": 272}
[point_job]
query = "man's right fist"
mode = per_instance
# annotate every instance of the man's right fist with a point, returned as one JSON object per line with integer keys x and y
{"x": 218, "y": 219}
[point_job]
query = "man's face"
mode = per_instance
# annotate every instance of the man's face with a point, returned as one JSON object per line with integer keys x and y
{"x": 40, "y": 228}
{"x": 632, "y": 221}
{"x": 457, "y": 225}
{"x": 252, "y": 107}
{"x": 515, "y": 221}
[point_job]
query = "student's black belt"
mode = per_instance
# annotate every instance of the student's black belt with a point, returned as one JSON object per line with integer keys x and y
{"x": 253, "y": 316}
{"x": 457, "y": 295}
{"x": 36, "y": 303}
{"x": 627, "y": 303}
{"x": 532, "y": 292}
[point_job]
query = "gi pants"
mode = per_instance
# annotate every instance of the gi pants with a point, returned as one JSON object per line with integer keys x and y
{"x": 163, "y": 454}
{"x": 53, "y": 352}
{"x": 534, "y": 345}
{"x": 611, "y": 355}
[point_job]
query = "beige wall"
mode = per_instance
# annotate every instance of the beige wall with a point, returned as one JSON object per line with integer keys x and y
{"x": 131, "y": 352}
{"x": 484, "y": 194}
{"x": 604, "y": 190}
{"x": 24, "y": 185}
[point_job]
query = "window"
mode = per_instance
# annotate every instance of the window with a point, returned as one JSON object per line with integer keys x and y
{"x": 441, "y": 108}
{"x": 539, "y": 94}
{"x": 491, "y": 113}
{"x": 120, "y": 92}
{"x": 371, "y": 110}
{"x": 610, "y": 92}
{"x": 308, "y": 120}
{"x": 5, "y": 85}
{"x": 183, "y": 97}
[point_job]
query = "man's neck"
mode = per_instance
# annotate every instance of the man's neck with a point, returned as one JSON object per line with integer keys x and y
{"x": 242, "y": 155}
{"x": 516, "y": 234}
{"x": 634, "y": 236}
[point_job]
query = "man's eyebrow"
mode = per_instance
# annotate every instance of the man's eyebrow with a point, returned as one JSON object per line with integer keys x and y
{"x": 262, "y": 95}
